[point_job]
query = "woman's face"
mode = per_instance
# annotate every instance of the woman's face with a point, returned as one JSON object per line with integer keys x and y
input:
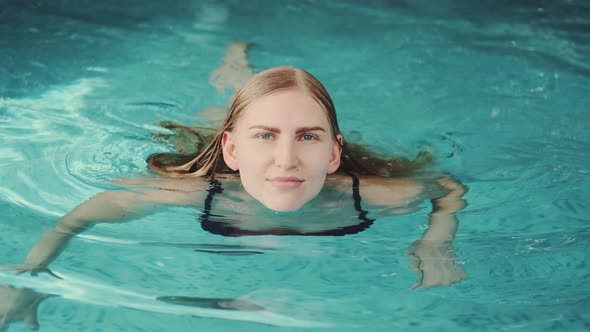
{"x": 283, "y": 147}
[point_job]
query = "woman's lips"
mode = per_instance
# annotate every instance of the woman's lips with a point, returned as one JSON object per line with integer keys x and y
{"x": 286, "y": 182}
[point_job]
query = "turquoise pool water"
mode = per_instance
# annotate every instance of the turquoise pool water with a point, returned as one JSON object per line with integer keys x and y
{"x": 500, "y": 90}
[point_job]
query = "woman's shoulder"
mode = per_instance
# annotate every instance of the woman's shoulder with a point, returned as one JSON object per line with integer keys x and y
{"x": 167, "y": 183}
{"x": 168, "y": 191}
{"x": 389, "y": 192}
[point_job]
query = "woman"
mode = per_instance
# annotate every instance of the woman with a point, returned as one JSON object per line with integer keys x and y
{"x": 280, "y": 149}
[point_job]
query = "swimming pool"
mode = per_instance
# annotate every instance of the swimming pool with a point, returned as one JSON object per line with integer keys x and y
{"x": 499, "y": 90}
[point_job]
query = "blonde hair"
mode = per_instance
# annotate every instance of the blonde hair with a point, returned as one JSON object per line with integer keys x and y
{"x": 209, "y": 160}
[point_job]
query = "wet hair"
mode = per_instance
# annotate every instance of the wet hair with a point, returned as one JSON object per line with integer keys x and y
{"x": 207, "y": 159}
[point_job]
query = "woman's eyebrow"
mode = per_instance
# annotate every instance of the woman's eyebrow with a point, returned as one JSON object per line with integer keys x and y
{"x": 308, "y": 129}
{"x": 298, "y": 131}
{"x": 267, "y": 128}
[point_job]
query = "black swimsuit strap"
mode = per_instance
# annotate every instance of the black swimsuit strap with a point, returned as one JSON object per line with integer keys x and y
{"x": 227, "y": 229}
{"x": 214, "y": 188}
{"x": 356, "y": 196}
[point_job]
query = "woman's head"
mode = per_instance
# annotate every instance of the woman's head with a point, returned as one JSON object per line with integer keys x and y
{"x": 281, "y": 135}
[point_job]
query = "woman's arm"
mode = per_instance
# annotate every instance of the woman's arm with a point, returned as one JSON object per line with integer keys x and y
{"x": 443, "y": 222}
{"x": 433, "y": 257}
{"x": 110, "y": 207}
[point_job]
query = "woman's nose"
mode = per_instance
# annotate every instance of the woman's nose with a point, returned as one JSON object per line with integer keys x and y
{"x": 286, "y": 155}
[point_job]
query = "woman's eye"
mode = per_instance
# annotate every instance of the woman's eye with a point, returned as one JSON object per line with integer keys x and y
{"x": 307, "y": 137}
{"x": 265, "y": 136}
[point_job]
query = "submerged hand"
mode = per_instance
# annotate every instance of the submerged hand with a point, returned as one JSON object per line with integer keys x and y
{"x": 434, "y": 264}
{"x": 33, "y": 270}
{"x": 19, "y": 304}
{"x": 453, "y": 201}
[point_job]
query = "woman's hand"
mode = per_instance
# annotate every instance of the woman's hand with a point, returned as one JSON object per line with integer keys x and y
{"x": 32, "y": 269}
{"x": 19, "y": 304}
{"x": 49, "y": 246}
{"x": 434, "y": 264}
{"x": 453, "y": 201}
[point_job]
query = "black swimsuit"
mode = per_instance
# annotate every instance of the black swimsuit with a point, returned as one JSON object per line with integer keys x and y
{"x": 226, "y": 228}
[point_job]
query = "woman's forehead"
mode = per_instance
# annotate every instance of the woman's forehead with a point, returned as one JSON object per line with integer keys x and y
{"x": 286, "y": 105}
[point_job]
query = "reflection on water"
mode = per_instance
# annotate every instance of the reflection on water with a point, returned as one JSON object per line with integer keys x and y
{"x": 224, "y": 304}
{"x": 22, "y": 304}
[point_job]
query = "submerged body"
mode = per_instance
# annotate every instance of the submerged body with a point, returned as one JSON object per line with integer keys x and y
{"x": 343, "y": 202}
